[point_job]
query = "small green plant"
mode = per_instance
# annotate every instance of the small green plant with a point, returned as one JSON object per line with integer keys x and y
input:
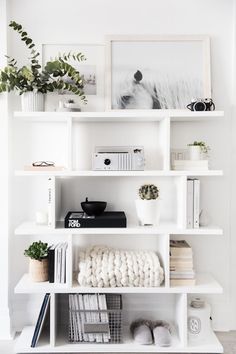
{"x": 37, "y": 251}
{"x": 56, "y": 75}
{"x": 203, "y": 146}
{"x": 148, "y": 192}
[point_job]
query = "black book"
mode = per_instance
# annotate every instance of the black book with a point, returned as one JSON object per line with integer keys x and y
{"x": 78, "y": 219}
{"x": 40, "y": 320}
{"x": 51, "y": 263}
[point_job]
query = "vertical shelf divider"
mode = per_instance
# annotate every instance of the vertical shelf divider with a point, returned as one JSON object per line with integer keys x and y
{"x": 53, "y": 320}
{"x": 181, "y": 318}
{"x": 182, "y": 201}
{"x": 165, "y": 142}
{"x": 69, "y": 143}
{"x": 167, "y": 260}
{"x": 69, "y": 262}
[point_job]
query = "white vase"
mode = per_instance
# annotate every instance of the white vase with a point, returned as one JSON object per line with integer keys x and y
{"x": 148, "y": 211}
{"x": 204, "y": 218}
{"x": 194, "y": 152}
{"x": 32, "y": 101}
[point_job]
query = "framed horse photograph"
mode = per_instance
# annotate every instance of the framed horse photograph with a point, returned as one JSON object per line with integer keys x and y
{"x": 156, "y": 72}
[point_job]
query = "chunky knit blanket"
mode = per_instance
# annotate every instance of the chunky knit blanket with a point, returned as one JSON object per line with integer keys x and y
{"x": 101, "y": 266}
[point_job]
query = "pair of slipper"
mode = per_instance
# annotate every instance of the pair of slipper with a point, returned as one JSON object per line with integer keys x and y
{"x": 148, "y": 332}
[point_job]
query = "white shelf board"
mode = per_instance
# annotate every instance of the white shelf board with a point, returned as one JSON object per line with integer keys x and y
{"x": 147, "y": 173}
{"x": 39, "y": 287}
{"x": 205, "y": 284}
{"x": 210, "y": 345}
{"x": 31, "y": 228}
{"x": 119, "y": 116}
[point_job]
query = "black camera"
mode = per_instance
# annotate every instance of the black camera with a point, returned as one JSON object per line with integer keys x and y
{"x": 205, "y": 104}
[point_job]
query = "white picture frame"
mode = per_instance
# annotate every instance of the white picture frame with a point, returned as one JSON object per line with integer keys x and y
{"x": 95, "y": 60}
{"x": 123, "y": 55}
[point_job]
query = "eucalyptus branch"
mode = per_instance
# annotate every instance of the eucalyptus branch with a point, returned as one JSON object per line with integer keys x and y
{"x": 57, "y": 74}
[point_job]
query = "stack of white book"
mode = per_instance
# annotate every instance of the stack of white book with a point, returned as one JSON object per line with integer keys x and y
{"x": 84, "y": 313}
{"x": 57, "y": 263}
{"x": 181, "y": 264}
{"x": 190, "y": 165}
{"x": 193, "y": 203}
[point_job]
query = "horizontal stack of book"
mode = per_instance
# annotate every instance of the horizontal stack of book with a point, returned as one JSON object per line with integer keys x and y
{"x": 193, "y": 203}
{"x": 57, "y": 259}
{"x": 181, "y": 264}
{"x": 190, "y": 165}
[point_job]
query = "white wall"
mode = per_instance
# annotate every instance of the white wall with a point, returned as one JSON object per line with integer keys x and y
{"x": 77, "y": 21}
{"x": 5, "y": 329}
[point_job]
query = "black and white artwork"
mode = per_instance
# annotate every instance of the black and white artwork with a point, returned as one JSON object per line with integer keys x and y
{"x": 158, "y": 74}
{"x": 91, "y": 70}
{"x": 89, "y": 77}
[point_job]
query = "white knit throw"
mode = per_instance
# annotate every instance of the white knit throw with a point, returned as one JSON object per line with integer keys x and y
{"x": 101, "y": 266}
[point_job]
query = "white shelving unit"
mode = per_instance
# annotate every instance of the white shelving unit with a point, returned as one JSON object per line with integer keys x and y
{"x": 56, "y": 341}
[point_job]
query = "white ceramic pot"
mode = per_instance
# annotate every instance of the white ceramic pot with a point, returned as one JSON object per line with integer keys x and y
{"x": 32, "y": 101}
{"x": 194, "y": 152}
{"x": 38, "y": 270}
{"x": 148, "y": 211}
{"x": 72, "y": 107}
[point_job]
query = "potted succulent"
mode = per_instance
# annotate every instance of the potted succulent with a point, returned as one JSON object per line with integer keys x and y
{"x": 38, "y": 261}
{"x": 148, "y": 206}
{"x": 197, "y": 149}
{"x": 32, "y": 81}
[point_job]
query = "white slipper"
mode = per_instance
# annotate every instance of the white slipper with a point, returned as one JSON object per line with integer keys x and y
{"x": 141, "y": 331}
{"x": 161, "y": 334}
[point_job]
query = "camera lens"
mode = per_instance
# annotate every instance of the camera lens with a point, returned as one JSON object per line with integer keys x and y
{"x": 107, "y": 162}
{"x": 199, "y": 106}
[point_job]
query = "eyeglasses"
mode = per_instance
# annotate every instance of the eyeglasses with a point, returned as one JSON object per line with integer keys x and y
{"x": 43, "y": 164}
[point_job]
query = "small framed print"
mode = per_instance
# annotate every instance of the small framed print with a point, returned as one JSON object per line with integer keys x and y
{"x": 92, "y": 70}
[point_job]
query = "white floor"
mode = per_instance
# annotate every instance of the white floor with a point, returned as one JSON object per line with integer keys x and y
{"x": 228, "y": 340}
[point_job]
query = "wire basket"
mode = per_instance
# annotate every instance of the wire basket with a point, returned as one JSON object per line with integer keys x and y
{"x": 102, "y": 323}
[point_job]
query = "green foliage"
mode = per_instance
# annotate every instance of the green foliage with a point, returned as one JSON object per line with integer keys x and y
{"x": 57, "y": 74}
{"x": 203, "y": 146}
{"x": 148, "y": 192}
{"x": 37, "y": 251}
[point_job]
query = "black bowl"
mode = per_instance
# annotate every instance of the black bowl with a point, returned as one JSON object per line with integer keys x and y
{"x": 93, "y": 208}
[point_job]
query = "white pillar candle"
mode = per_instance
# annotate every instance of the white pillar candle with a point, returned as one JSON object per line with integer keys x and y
{"x": 41, "y": 217}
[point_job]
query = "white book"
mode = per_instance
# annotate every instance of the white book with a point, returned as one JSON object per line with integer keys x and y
{"x": 190, "y": 203}
{"x": 78, "y": 321}
{"x": 196, "y": 203}
{"x": 70, "y": 320}
{"x": 57, "y": 263}
{"x": 73, "y": 322}
{"x": 190, "y": 165}
{"x": 59, "y": 260}
{"x": 104, "y": 316}
{"x": 82, "y": 316}
{"x": 75, "y": 319}
{"x": 95, "y": 315}
{"x": 68, "y": 270}
{"x": 88, "y": 317}
{"x": 63, "y": 263}
{"x": 51, "y": 203}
